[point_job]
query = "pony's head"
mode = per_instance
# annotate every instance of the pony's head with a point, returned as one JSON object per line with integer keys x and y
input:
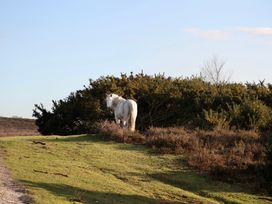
{"x": 110, "y": 98}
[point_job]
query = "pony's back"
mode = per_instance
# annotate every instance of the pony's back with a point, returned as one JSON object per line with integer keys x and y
{"x": 133, "y": 114}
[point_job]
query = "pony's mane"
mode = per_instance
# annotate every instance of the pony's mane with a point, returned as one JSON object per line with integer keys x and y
{"x": 116, "y": 99}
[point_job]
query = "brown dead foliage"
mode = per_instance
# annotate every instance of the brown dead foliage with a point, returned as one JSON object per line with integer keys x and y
{"x": 17, "y": 127}
{"x": 233, "y": 156}
{"x": 111, "y": 131}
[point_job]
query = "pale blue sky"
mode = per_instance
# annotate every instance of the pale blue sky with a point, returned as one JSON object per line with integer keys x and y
{"x": 51, "y": 48}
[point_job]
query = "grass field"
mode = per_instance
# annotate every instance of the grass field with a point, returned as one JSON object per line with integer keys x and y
{"x": 85, "y": 169}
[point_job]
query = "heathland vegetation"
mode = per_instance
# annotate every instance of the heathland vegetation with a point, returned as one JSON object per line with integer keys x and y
{"x": 222, "y": 128}
{"x": 16, "y": 126}
{"x": 163, "y": 102}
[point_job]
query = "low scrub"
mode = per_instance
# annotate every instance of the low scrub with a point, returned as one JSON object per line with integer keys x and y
{"x": 111, "y": 131}
{"x": 170, "y": 140}
{"x": 233, "y": 156}
{"x": 16, "y": 126}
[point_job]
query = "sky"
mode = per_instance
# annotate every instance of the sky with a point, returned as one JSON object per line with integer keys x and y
{"x": 51, "y": 48}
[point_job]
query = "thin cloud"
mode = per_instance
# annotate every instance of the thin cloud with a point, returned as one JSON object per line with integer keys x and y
{"x": 208, "y": 34}
{"x": 264, "y": 31}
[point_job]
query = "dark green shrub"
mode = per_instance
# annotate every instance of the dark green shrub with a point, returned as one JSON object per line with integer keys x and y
{"x": 214, "y": 119}
{"x": 254, "y": 115}
{"x": 162, "y": 102}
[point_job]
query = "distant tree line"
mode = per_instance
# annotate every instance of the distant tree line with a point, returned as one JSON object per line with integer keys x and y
{"x": 162, "y": 102}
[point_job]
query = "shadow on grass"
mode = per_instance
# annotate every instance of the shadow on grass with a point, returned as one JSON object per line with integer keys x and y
{"x": 79, "y": 138}
{"x": 73, "y": 138}
{"x": 98, "y": 139}
{"x": 76, "y": 194}
{"x": 203, "y": 186}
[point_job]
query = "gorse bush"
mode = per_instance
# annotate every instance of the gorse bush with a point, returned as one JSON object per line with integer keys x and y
{"x": 254, "y": 115}
{"x": 73, "y": 115}
{"x": 215, "y": 119}
{"x": 162, "y": 102}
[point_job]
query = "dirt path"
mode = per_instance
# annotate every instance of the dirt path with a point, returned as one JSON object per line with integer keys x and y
{"x": 10, "y": 191}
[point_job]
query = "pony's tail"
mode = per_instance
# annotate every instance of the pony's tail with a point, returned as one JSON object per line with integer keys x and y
{"x": 133, "y": 115}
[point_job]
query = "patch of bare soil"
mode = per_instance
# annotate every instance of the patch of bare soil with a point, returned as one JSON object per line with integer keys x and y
{"x": 11, "y": 191}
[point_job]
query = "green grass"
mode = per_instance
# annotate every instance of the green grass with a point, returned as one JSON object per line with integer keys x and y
{"x": 85, "y": 169}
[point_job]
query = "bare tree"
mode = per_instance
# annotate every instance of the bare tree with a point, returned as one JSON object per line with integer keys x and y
{"x": 213, "y": 71}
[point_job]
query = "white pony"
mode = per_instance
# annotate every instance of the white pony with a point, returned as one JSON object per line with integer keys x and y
{"x": 125, "y": 111}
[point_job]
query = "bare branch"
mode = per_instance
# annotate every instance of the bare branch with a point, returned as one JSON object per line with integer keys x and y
{"x": 213, "y": 71}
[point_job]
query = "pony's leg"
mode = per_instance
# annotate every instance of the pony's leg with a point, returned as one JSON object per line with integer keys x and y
{"x": 118, "y": 121}
{"x": 125, "y": 124}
